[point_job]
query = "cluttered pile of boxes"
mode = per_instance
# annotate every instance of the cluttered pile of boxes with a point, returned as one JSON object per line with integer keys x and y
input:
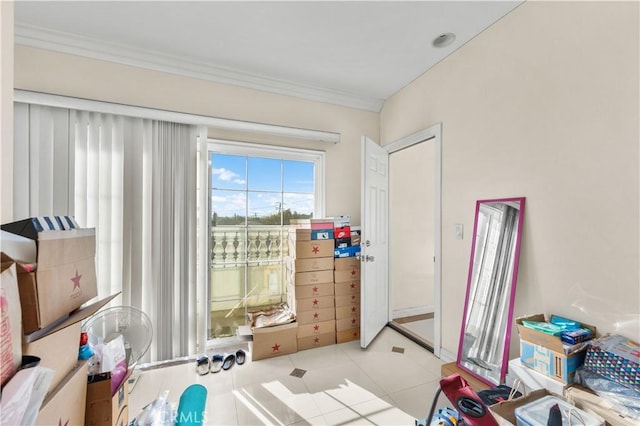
{"x": 48, "y": 273}
{"x": 593, "y": 379}
{"x": 323, "y": 289}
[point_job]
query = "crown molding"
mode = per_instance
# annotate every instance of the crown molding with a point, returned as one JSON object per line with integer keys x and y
{"x": 73, "y": 44}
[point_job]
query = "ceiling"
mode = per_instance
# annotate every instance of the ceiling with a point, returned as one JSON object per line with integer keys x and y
{"x": 355, "y": 54}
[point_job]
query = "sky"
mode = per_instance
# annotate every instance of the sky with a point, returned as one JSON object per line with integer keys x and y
{"x": 263, "y": 181}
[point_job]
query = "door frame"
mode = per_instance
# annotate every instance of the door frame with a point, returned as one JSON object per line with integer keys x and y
{"x": 430, "y": 134}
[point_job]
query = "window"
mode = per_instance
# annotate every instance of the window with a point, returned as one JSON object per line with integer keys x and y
{"x": 254, "y": 194}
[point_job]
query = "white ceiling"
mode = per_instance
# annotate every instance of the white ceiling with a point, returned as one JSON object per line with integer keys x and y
{"x": 355, "y": 54}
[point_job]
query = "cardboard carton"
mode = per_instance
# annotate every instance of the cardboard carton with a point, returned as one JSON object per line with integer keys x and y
{"x": 102, "y": 409}
{"x": 347, "y": 300}
{"x": 542, "y": 339}
{"x": 316, "y": 341}
{"x": 346, "y": 275}
{"x": 313, "y": 303}
{"x": 269, "y": 342}
{"x": 348, "y": 311}
{"x": 65, "y": 405}
{"x": 65, "y": 276}
{"x": 349, "y": 287}
{"x": 311, "y": 249}
{"x": 57, "y": 345}
{"x": 313, "y": 290}
{"x": 313, "y": 277}
{"x": 312, "y": 264}
{"x": 554, "y": 364}
{"x": 317, "y": 315}
{"x": 313, "y": 329}
{"x": 342, "y": 263}
{"x": 347, "y": 324}
{"x": 347, "y": 335}
{"x": 505, "y": 411}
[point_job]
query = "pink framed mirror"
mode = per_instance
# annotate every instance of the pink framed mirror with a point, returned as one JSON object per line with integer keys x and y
{"x": 485, "y": 334}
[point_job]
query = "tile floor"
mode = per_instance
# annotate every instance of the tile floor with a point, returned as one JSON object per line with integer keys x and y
{"x": 343, "y": 385}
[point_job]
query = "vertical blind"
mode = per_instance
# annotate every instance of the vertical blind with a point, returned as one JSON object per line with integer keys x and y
{"x": 134, "y": 181}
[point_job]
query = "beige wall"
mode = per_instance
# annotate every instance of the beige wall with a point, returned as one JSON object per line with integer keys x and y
{"x": 543, "y": 104}
{"x": 411, "y": 240}
{"x": 6, "y": 111}
{"x": 46, "y": 71}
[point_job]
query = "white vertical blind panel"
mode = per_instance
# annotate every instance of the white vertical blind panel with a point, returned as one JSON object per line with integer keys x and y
{"x": 21, "y": 161}
{"x": 59, "y": 162}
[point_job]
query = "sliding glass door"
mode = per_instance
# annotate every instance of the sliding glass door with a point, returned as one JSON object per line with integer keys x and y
{"x": 254, "y": 193}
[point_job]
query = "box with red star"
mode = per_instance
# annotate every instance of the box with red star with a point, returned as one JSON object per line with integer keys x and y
{"x": 316, "y": 341}
{"x": 348, "y": 323}
{"x": 311, "y": 249}
{"x": 318, "y": 315}
{"x": 349, "y": 287}
{"x": 316, "y": 328}
{"x": 314, "y": 290}
{"x": 346, "y": 275}
{"x": 269, "y": 342}
{"x": 64, "y": 276}
{"x": 348, "y": 311}
{"x": 347, "y": 335}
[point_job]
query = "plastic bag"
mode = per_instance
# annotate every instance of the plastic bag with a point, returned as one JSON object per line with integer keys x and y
{"x": 114, "y": 360}
{"x": 158, "y": 413}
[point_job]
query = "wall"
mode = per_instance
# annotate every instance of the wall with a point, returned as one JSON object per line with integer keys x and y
{"x": 411, "y": 229}
{"x": 6, "y": 111}
{"x": 543, "y": 104}
{"x": 62, "y": 74}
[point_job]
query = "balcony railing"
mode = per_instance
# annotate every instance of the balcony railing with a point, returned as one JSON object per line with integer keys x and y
{"x": 237, "y": 245}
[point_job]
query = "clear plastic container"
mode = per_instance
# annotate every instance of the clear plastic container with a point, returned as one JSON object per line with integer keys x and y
{"x": 537, "y": 413}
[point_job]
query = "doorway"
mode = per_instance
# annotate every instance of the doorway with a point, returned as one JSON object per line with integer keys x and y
{"x": 414, "y": 240}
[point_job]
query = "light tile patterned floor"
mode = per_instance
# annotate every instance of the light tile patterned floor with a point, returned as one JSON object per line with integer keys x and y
{"x": 343, "y": 385}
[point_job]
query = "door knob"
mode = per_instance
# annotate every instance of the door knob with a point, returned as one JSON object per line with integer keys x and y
{"x": 368, "y": 258}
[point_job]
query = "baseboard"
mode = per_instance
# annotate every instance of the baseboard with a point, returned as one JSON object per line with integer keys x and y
{"x": 409, "y": 312}
{"x": 446, "y": 356}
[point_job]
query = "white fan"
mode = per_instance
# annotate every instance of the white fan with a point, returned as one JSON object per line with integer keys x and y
{"x": 133, "y": 324}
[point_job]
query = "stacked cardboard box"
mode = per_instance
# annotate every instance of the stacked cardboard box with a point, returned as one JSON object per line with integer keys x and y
{"x": 54, "y": 261}
{"x": 347, "y": 296}
{"x": 310, "y": 286}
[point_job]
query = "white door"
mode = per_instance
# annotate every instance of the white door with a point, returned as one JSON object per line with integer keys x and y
{"x": 374, "y": 290}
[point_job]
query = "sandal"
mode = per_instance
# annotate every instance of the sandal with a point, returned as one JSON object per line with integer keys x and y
{"x": 241, "y": 356}
{"x": 202, "y": 365}
{"x": 217, "y": 362}
{"x": 229, "y": 360}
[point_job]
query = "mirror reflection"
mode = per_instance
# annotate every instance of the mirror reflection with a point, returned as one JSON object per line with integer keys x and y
{"x": 493, "y": 269}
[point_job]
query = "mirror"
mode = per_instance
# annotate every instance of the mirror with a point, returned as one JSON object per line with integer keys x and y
{"x": 488, "y": 308}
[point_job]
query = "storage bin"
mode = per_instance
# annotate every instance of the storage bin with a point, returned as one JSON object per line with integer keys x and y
{"x": 537, "y": 413}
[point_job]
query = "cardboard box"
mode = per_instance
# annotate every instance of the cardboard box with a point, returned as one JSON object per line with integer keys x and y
{"x": 347, "y": 323}
{"x": 313, "y": 277}
{"x": 316, "y": 328}
{"x": 617, "y": 358}
{"x": 346, "y": 275}
{"x": 313, "y": 290}
{"x": 348, "y": 311}
{"x": 347, "y": 335}
{"x": 313, "y": 303}
{"x": 269, "y": 342}
{"x": 349, "y": 287}
{"x": 57, "y": 346}
{"x": 311, "y": 249}
{"x": 340, "y": 221}
{"x": 65, "y": 276}
{"x": 542, "y": 339}
{"x": 65, "y": 405}
{"x": 342, "y": 242}
{"x": 316, "y": 315}
{"x": 316, "y": 341}
{"x": 102, "y": 409}
{"x": 346, "y": 263}
{"x": 550, "y": 363}
{"x": 347, "y": 300}
{"x": 312, "y": 264}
